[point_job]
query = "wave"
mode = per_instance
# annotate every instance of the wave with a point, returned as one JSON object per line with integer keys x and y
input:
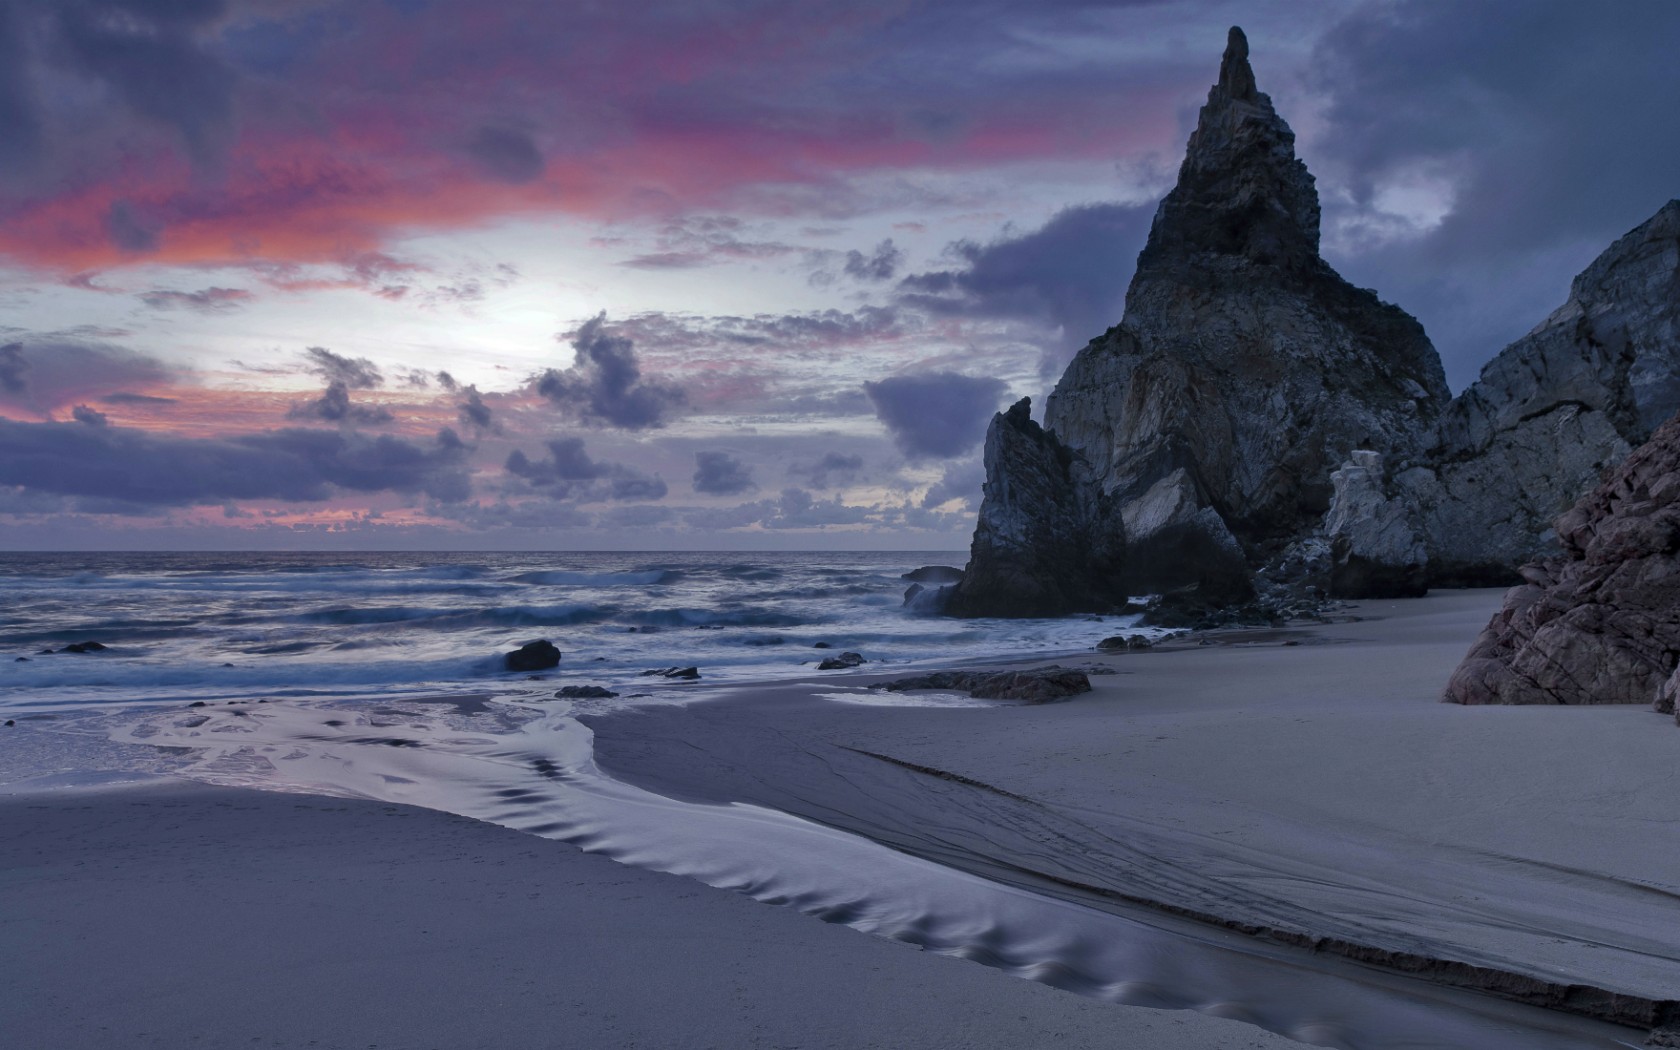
{"x": 716, "y": 618}
{"x": 425, "y": 616}
{"x": 562, "y": 578}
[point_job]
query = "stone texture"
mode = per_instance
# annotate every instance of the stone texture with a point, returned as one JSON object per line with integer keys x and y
{"x": 1376, "y": 547}
{"x": 1047, "y": 542}
{"x": 1553, "y": 410}
{"x": 1600, "y": 623}
{"x": 1038, "y": 686}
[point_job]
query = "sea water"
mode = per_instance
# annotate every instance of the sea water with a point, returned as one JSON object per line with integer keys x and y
{"x": 216, "y": 627}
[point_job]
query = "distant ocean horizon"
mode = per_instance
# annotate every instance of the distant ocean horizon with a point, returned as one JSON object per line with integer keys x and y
{"x": 211, "y": 626}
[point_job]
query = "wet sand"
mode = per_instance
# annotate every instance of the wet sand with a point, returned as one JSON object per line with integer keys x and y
{"x": 181, "y": 915}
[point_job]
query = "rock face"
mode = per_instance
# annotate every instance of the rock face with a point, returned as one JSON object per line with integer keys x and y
{"x": 1599, "y": 624}
{"x": 1257, "y": 431}
{"x": 1245, "y": 371}
{"x": 1047, "y": 542}
{"x": 1553, "y": 410}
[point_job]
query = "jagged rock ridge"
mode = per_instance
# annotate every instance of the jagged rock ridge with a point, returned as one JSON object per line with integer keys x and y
{"x": 1552, "y": 411}
{"x": 1600, "y": 623}
{"x": 1244, "y": 372}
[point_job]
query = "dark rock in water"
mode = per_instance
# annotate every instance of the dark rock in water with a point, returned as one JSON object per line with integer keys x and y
{"x": 686, "y": 673}
{"x": 43, "y": 652}
{"x": 1047, "y": 543}
{"x": 584, "y": 692}
{"x": 197, "y": 703}
{"x": 1038, "y": 686}
{"x": 1553, "y": 410}
{"x": 83, "y": 647}
{"x": 841, "y": 662}
{"x": 822, "y": 645}
{"x": 1600, "y": 624}
{"x": 933, "y": 574}
{"x": 539, "y": 655}
{"x": 11, "y": 722}
{"x": 1125, "y": 642}
{"x": 21, "y": 660}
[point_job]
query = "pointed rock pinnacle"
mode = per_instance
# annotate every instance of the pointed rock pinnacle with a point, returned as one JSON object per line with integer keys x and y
{"x": 1236, "y": 76}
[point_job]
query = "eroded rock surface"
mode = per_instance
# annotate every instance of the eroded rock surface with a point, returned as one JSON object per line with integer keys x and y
{"x": 1038, "y": 686}
{"x": 1554, "y": 410}
{"x": 1599, "y": 624}
{"x": 1047, "y": 542}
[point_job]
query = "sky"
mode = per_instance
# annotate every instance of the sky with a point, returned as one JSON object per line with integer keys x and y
{"x": 702, "y": 274}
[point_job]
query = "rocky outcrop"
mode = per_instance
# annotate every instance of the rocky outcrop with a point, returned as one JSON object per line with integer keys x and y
{"x": 1245, "y": 370}
{"x": 1599, "y": 624}
{"x": 1553, "y": 410}
{"x": 1263, "y": 434}
{"x": 1038, "y": 686}
{"x": 1047, "y": 542}
{"x": 1376, "y": 546}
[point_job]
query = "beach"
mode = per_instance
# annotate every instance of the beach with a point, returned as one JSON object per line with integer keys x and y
{"x": 1283, "y": 827}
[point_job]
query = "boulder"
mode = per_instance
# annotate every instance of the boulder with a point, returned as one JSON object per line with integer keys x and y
{"x": 1600, "y": 623}
{"x": 933, "y": 574}
{"x": 681, "y": 673}
{"x": 841, "y": 662}
{"x": 539, "y": 655}
{"x": 83, "y": 647}
{"x": 1121, "y": 643}
{"x": 1037, "y": 686}
{"x": 584, "y": 692}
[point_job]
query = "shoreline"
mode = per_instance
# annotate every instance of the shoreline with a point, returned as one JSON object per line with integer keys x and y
{"x": 1050, "y": 758}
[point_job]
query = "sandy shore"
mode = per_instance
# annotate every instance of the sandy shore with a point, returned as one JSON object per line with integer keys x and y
{"x": 1303, "y": 784}
{"x": 181, "y": 915}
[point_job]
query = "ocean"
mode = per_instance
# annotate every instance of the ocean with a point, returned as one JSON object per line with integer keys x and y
{"x": 214, "y": 627}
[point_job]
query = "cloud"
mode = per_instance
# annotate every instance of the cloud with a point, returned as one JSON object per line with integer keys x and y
{"x": 936, "y": 415}
{"x": 124, "y": 397}
{"x": 205, "y": 300}
{"x": 1487, "y": 152}
{"x": 473, "y": 412}
{"x": 334, "y": 406}
{"x": 1072, "y": 272}
{"x": 92, "y": 417}
{"x": 604, "y": 385}
{"x": 13, "y": 368}
{"x": 719, "y": 473}
{"x": 509, "y": 155}
{"x": 568, "y": 472}
{"x": 148, "y": 470}
{"x": 880, "y": 265}
{"x": 129, "y": 231}
{"x": 963, "y": 480}
{"x": 832, "y": 467}
{"x": 43, "y": 373}
{"x": 357, "y": 373}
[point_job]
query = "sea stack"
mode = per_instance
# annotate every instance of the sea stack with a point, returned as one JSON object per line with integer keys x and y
{"x": 1205, "y": 427}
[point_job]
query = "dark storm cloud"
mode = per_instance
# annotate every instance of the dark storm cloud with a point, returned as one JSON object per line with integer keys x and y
{"x": 604, "y": 385}
{"x": 506, "y": 154}
{"x": 880, "y": 265}
{"x": 357, "y": 373}
{"x": 334, "y": 406}
{"x": 1071, "y": 272}
{"x": 568, "y": 472}
{"x": 473, "y": 412}
{"x": 936, "y": 415}
{"x": 832, "y": 467}
{"x": 20, "y": 126}
{"x": 41, "y": 373}
{"x": 962, "y": 480}
{"x": 12, "y": 368}
{"x": 92, "y": 417}
{"x": 1551, "y": 120}
{"x": 149, "y": 470}
{"x": 718, "y": 473}
{"x": 150, "y": 55}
